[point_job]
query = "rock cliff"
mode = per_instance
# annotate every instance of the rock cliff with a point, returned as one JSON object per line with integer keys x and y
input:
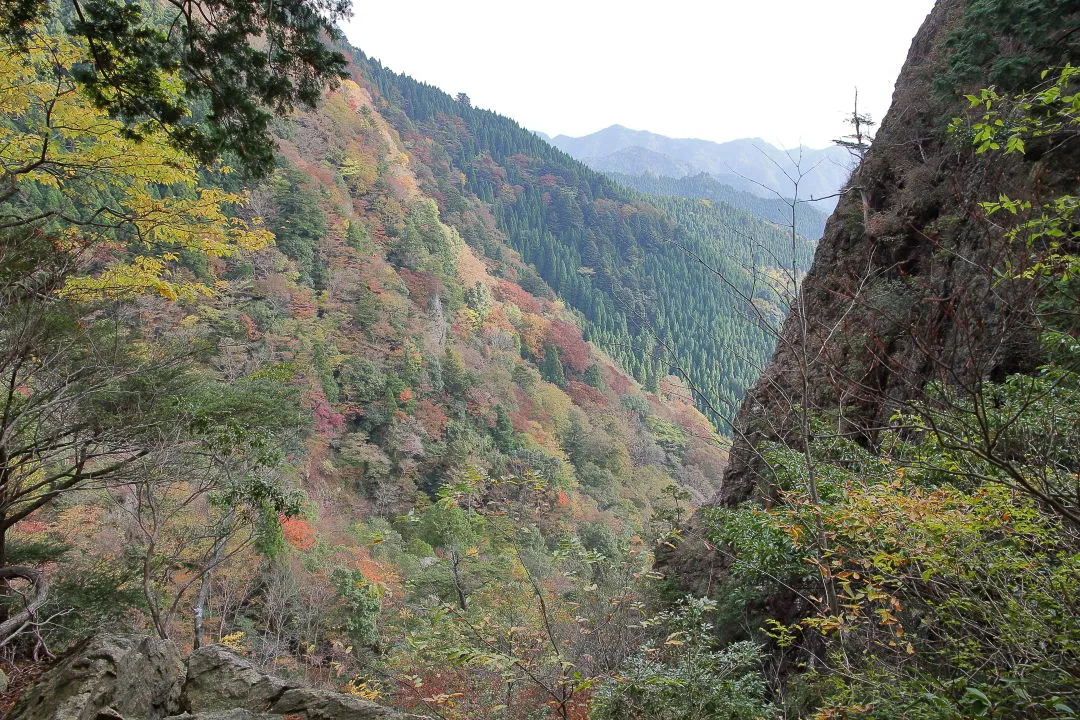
{"x": 904, "y": 287}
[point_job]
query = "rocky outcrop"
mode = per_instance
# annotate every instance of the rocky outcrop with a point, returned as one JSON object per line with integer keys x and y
{"x": 218, "y": 680}
{"x": 902, "y": 291}
{"x": 107, "y": 677}
{"x": 143, "y": 678}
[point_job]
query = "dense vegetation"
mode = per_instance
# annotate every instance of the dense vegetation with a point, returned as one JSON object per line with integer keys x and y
{"x": 613, "y": 255}
{"x": 346, "y": 418}
{"x": 306, "y": 419}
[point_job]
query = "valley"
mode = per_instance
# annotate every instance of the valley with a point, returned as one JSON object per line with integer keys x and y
{"x": 364, "y": 401}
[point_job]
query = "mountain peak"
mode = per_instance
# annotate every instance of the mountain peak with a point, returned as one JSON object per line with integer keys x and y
{"x": 750, "y": 164}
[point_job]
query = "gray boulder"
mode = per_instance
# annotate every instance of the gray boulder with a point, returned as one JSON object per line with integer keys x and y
{"x": 326, "y": 705}
{"x": 108, "y": 676}
{"x": 226, "y": 715}
{"x": 219, "y": 680}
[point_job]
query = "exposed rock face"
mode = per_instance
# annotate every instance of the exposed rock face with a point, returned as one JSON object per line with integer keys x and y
{"x": 902, "y": 290}
{"x": 143, "y": 678}
{"x": 108, "y": 677}
{"x": 218, "y": 680}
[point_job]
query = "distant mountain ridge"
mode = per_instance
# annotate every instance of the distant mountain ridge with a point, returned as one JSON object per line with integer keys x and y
{"x": 750, "y": 165}
{"x": 809, "y": 221}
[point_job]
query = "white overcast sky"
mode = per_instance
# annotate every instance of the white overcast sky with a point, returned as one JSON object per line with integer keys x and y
{"x": 781, "y": 70}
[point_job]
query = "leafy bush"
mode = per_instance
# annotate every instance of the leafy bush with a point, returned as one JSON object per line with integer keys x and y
{"x": 686, "y": 676}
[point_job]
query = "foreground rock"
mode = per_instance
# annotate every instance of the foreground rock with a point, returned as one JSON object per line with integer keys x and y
{"x": 143, "y": 678}
{"x": 219, "y": 680}
{"x": 107, "y": 677}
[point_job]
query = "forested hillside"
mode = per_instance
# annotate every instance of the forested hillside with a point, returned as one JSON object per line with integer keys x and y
{"x": 327, "y": 415}
{"x": 386, "y": 396}
{"x": 614, "y": 256}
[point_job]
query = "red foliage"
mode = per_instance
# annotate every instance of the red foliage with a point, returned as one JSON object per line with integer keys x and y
{"x": 421, "y": 286}
{"x": 327, "y": 420}
{"x": 431, "y": 418}
{"x": 567, "y": 339}
{"x": 514, "y": 293}
{"x": 490, "y": 169}
{"x": 583, "y": 394}
{"x": 520, "y": 161}
{"x": 619, "y": 383}
{"x": 298, "y": 532}
{"x": 480, "y": 404}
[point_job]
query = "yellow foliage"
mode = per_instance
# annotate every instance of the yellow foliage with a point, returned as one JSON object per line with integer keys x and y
{"x": 233, "y": 641}
{"x": 363, "y": 689}
{"x": 112, "y": 185}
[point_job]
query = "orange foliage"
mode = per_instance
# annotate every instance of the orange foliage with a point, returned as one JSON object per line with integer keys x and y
{"x": 302, "y": 304}
{"x": 298, "y": 532}
{"x": 514, "y": 293}
{"x": 470, "y": 269}
{"x": 533, "y": 422}
{"x": 583, "y": 394}
{"x": 375, "y": 571}
{"x": 250, "y": 328}
{"x": 403, "y": 185}
{"x": 497, "y": 320}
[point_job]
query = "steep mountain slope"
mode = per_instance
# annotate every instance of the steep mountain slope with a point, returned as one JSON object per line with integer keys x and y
{"x": 909, "y": 289}
{"x": 364, "y": 438}
{"x": 608, "y": 253}
{"x": 749, "y": 165}
{"x": 904, "y": 471}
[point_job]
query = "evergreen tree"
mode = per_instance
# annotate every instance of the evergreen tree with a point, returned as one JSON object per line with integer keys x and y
{"x": 551, "y": 368}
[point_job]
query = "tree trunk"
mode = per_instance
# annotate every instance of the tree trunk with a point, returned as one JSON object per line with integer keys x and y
{"x": 13, "y": 626}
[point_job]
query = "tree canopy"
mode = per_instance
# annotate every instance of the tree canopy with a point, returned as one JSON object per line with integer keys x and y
{"x": 211, "y": 74}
